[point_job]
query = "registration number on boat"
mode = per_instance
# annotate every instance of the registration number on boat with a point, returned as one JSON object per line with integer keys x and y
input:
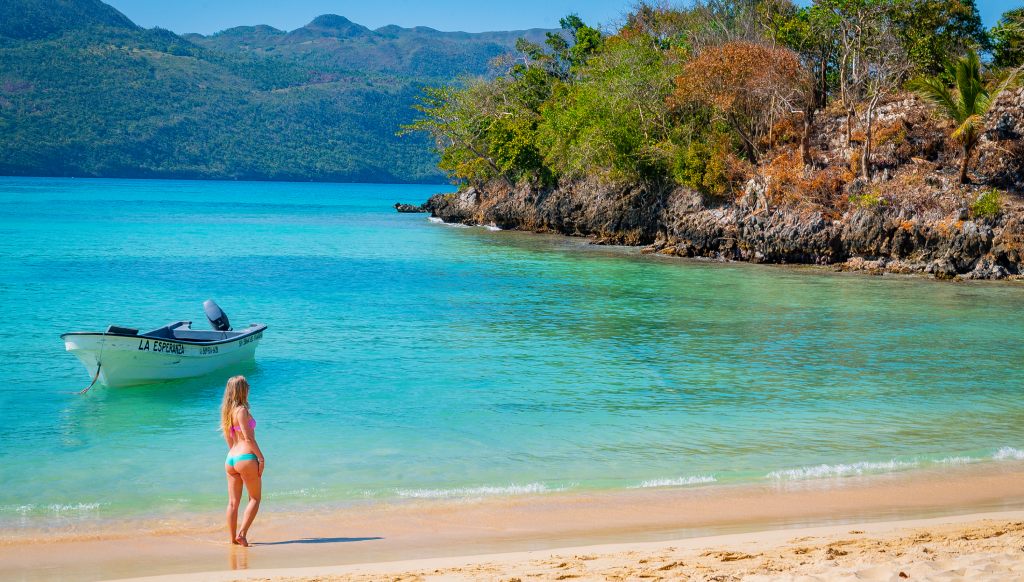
{"x": 250, "y": 339}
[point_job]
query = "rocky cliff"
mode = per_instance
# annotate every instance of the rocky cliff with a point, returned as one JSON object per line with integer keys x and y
{"x": 920, "y": 221}
{"x": 680, "y": 222}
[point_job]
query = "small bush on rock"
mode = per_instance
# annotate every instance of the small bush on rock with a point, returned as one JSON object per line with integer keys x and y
{"x": 870, "y": 198}
{"x": 988, "y": 204}
{"x": 704, "y": 165}
{"x": 789, "y": 183}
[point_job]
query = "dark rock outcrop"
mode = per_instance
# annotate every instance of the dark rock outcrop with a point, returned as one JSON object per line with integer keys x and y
{"x": 680, "y": 222}
{"x": 410, "y": 208}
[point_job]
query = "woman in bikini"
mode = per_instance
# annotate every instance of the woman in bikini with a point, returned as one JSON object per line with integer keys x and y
{"x": 244, "y": 464}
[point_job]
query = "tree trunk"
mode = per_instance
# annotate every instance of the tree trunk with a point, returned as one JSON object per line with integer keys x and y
{"x": 844, "y": 93}
{"x": 964, "y": 163}
{"x": 490, "y": 163}
{"x": 865, "y": 157}
{"x": 805, "y": 137}
{"x": 849, "y": 127}
{"x": 748, "y": 142}
{"x": 822, "y": 89}
{"x": 751, "y": 152}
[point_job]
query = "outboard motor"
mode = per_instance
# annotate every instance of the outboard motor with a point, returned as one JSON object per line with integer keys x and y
{"x": 218, "y": 319}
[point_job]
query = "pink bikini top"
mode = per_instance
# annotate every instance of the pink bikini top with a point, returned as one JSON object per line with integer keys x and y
{"x": 252, "y": 424}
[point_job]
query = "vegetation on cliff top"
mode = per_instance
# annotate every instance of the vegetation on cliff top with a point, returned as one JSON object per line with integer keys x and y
{"x": 803, "y": 105}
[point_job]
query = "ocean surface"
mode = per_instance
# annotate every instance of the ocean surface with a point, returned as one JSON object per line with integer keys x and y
{"x": 407, "y": 359}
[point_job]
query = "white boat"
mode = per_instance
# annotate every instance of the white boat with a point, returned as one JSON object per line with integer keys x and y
{"x": 121, "y": 356}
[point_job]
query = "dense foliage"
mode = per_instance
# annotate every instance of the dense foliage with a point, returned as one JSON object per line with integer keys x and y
{"x": 85, "y": 92}
{"x": 712, "y": 93}
{"x": 1008, "y": 39}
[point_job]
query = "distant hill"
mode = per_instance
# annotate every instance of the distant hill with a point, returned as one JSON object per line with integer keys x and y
{"x": 86, "y": 92}
{"x": 335, "y": 43}
{"x": 31, "y": 20}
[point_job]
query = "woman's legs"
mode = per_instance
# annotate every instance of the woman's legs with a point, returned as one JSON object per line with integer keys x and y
{"x": 234, "y": 498}
{"x": 250, "y": 473}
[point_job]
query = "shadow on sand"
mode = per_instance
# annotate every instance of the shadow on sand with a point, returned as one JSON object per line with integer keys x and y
{"x": 315, "y": 541}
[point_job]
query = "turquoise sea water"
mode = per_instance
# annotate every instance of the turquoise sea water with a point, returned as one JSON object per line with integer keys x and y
{"x": 408, "y": 359}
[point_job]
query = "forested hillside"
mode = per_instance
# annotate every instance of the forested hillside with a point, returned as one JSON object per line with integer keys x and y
{"x": 85, "y": 92}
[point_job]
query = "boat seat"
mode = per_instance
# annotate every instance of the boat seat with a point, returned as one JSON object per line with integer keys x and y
{"x": 122, "y": 330}
{"x": 167, "y": 331}
{"x": 194, "y": 337}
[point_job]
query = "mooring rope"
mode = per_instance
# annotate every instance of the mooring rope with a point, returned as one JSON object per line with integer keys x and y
{"x": 99, "y": 364}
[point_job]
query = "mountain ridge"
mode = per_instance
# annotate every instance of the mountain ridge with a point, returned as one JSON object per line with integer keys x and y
{"x": 333, "y": 43}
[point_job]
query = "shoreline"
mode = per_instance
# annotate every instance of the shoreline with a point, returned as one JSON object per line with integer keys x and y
{"x": 678, "y": 222}
{"x": 434, "y": 529}
{"x": 68, "y": 523}
{"x": 874, "y": 551}
{"x": 857, "y": 268}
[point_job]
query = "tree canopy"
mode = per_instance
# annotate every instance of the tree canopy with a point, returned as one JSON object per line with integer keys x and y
{"x": 701, "y": 95}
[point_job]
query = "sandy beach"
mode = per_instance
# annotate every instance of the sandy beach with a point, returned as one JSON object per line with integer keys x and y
{"x": 771, "y": 530}
{"x": 971, "y": 547}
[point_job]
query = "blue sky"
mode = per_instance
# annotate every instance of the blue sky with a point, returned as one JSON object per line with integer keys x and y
{"x": 207, "y": 16}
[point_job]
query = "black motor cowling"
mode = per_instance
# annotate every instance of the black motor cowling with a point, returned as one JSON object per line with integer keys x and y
{"x": 218, "y": 319}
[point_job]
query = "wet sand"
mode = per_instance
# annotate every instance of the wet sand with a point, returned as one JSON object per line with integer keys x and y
{"x": 669, "y": 518}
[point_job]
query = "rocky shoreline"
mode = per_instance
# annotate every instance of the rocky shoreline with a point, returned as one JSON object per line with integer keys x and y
{"x": 680, "y": 222}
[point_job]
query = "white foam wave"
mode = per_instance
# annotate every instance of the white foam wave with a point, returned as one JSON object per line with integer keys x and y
{"x": 55, "y": 508}
{"x": 675, "y": 482}
{"x": 437, "y": 220}
{"x": 492, "y": 227}
{"x": 463, "y": 492}
{"x": 841, "y": 470}
{"x": 957, "y": 461}
{"x": 20, "y": 509}
{"x": 1009, "y": 454}
{"x": 72, "y": 508}
{"x": 304, "y": 492}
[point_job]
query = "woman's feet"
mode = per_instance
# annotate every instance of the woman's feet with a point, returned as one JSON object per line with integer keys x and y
{"x": 240, "y": 540}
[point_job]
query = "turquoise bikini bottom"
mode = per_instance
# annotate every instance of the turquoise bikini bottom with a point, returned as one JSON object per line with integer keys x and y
{"x": 230, "y": 461}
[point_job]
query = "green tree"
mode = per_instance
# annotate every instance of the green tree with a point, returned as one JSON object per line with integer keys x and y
{"x": 933, "y": 30}
{"x": 666, "y": 26}
{"x": 458, "y": 121}
{"x": 512, "y": 144}
{"x": 488, "y": 129}
{"x": 858, "y": 25}
{"x": 614, "y": 120}
{"x": 813, "y": 33}
{"x": 965, "y": 105}
{"x": 565, "y": 55}
{"x": 1008, "y": 39}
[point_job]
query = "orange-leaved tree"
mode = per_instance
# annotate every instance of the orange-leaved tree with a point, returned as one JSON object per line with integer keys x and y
{"x": 750, "y": 85}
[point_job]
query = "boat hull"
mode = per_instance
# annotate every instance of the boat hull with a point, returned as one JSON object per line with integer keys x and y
{"x": 133, "y": 360}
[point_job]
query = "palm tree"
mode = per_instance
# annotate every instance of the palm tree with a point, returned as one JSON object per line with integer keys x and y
{"x": 966, "y": 105}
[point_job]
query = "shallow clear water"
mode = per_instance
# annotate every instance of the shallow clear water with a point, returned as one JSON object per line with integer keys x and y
{"x": 407, "y": 359}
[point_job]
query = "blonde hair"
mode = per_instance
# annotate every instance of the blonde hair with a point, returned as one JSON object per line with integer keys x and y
{"x": 236, "y": 395}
